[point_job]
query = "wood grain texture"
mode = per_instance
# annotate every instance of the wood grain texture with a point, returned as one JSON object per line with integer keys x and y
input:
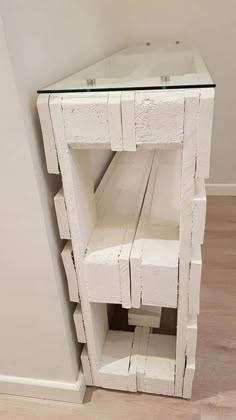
{"x": 214, "y": 387}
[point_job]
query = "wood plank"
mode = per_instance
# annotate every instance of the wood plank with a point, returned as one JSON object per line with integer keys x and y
{"x": 114, "y": 117}
{"x": 79, "y": 325}
{"x": 106, "y": 262}
{"x": 155, "y": 251}
{"x": 141, "y": 359}
{"x": 48, "y": 134}
{"x": 115, "y": 361}
{"x": 204, "y": 132}
{"x": 195, "y": 280}
{"x": 86, "y": 118}
{"x": 191, "y": 345}
{"x": 186, "y": 221}
{"x": 145, "y": 316}
{"x": 61, "y": 212}
{"x": 86, "y": 366}
{"x": 67, "y": 258}
{"x": 160, "y": 364}
{"x": 132, "y": 378}
{"x": 159, "y": 116}
{"x": 199, "y": 211}
{"x": 128, "y": 120}
{"x": 81, "y": 207}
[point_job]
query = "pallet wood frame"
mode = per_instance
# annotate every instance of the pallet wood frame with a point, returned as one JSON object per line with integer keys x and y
{"x": 125, "y": 121}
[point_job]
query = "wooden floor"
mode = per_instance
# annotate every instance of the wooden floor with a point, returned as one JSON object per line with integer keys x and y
{"x": 214, "y": 392}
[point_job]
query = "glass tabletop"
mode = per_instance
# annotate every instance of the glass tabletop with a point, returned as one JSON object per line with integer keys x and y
{"x": 150, "y": 66}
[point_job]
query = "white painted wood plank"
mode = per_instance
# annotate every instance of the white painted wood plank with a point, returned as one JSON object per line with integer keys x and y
{"x": 141, "y": 359}
{"x": 199, "y": 211}
{"x": 155, "y": 252}
{"x": 79, "y": 195}
{"x": 118, "y": 209}
{"x": 114, "y": 117}
{"x": 132, "y": 378}
{"x": 145, "y": 316}
{"x": 61, "y": 212}
{"x": 67, "y": 258}
{"x": 188, "y": 381}
{"x": 79, "y": 324}
{"x": 86, "y": 119}
{"x": 191, "y": 345}
{"x": 86, "y": 366}
{"x": 115, "y": 361}
{"x": 48, "y": 135}
{"x": 128, "y": 120}
{"x": 159, "y": 116}
{"x": 204, "y": 132}
{"x": 187, "y": 194}
{"x": 160, "y": 364}
{"x": 195, "y": 280}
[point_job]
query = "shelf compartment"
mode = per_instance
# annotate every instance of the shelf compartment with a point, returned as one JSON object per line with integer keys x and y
{"x": 119, "y": 200}
{"x": 138, "y": 361}
{"x": 155, "y": 252}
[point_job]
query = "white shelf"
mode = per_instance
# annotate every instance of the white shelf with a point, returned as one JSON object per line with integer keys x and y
{"x": 138, "y": 361}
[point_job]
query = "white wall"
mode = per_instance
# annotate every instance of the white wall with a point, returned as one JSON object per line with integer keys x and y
{"x": 211, "y": 26}
{"x": 45, "y": 41}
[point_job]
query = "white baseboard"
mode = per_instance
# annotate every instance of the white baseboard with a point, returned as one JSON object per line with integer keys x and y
{"x": 38, "y": 388}
{"x": 221, "y": 189}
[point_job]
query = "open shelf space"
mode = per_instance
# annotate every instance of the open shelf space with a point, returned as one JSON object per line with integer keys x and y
{"x": 119, "y": 200}
{"x": 135, "y": 243}
{"x": 137, "y": 358}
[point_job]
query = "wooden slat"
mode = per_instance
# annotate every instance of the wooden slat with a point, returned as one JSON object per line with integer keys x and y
{"x": 186, "y": 221}
{"x": 79, "y": 324}
{"x": 159, "y": 116}
{"x": 155, "y": 251}
{"x": 145, "y": 316}
{"x": 48, "y": 135}
{"x": 70, "y": 272}
{"x": 199, "y": 212}
{"x": 119, "y": 202}
{"x": 204, "y": 132}
{"x": 61, "y": 213}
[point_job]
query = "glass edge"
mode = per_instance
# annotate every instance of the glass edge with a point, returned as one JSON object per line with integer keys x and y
{"x": 197, "y": 86}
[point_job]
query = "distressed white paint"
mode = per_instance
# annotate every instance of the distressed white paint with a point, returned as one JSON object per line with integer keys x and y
{"x": 145, "y": 316}
{"x": 187, "y": 194}
{"x": 155, "y": 252}
{"x": 159, "y": 116}
{"x": 199, "y": 211}
{"x": 48, "y": 135}
{"x": 67, "y": 258}
{"x": 204, "y": 132}
{"x": 86, "y": 118}
{"x": 62, "y": 219}
{"x": 128, "y": 120}
{"x": 79, "y": 324}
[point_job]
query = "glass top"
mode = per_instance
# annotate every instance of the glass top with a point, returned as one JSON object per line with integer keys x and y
{"x": 150, "y": 66}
